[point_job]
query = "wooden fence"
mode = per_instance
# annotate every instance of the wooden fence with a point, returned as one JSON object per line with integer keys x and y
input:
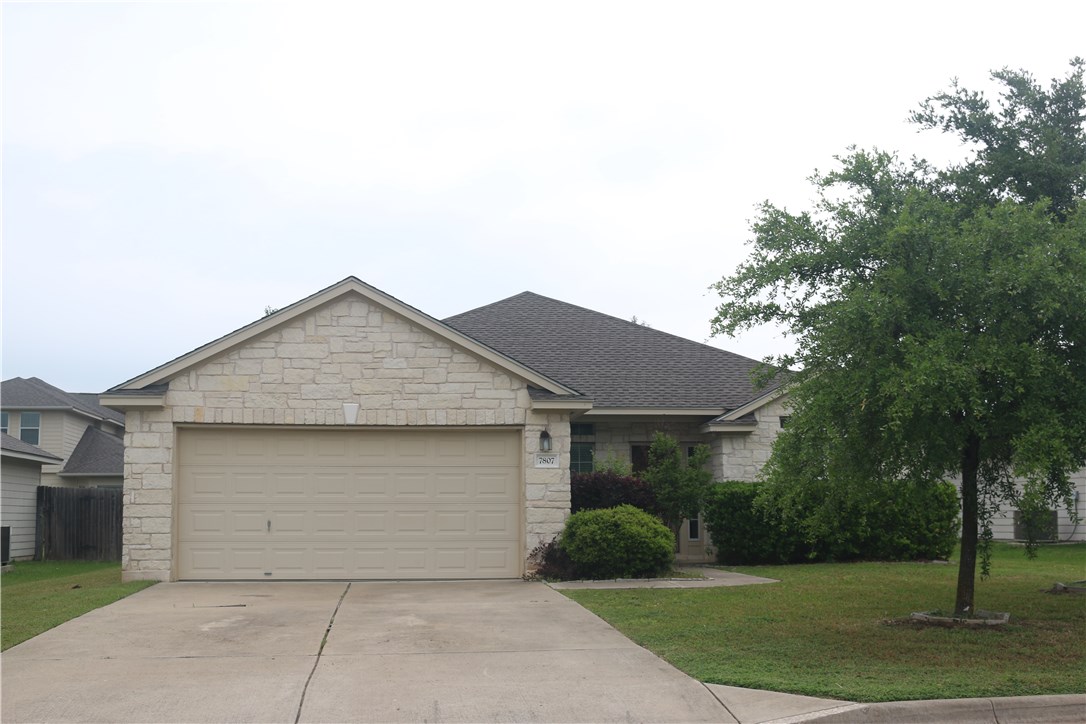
{"x": 82, "y": 524}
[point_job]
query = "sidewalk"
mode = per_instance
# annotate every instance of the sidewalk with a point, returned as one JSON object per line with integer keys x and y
{"x": 755, "y": 706}
{"x": 713, "y": 577}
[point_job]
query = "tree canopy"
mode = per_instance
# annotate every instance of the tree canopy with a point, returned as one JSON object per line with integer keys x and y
{"x": 939, "y": 313}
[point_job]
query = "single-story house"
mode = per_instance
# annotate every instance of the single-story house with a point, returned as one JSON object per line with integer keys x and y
{"x": 353, "y": 436}
{"x": 20, "y": 475}
{"x": 87, "y": 438}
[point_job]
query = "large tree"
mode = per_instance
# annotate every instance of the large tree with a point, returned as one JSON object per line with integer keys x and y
{"x": 939, "y": 314}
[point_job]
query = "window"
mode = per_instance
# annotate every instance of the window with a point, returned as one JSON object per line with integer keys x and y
{"x": 4, "y": 422}
{"x": 694, "y": 532}
{"x": 30, "y": 427}
{"x": 580, "y": 457}
{"x": 784, "y": 420}
{"x": 639, "y": 458}
{"x": 582, "y": 428}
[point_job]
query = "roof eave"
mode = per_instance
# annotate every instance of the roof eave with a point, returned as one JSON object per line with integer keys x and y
{"x": 44, "y": 459}
{"x": 153, "y": 401}
{"x": 757, "y": 402}
{"x": 708, "y": 427}
{"x": 657, "y": 411}
{"x": 553, "y": 405}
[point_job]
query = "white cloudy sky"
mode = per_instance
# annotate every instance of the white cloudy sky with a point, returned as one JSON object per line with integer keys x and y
{"x": 169, "y": 169}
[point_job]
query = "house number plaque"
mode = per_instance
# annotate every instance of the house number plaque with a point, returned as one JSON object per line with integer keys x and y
{"x": 547, "y": 460}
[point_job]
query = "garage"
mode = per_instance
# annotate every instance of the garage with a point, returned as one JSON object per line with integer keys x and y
{"x": 274, "y": 503}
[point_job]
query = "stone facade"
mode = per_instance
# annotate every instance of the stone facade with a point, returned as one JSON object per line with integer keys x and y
{"x": 300, "y": 374}
{"x": 741, "y": 455}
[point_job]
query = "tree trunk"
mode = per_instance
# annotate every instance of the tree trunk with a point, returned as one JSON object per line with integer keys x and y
{"x": 967, "y": 564}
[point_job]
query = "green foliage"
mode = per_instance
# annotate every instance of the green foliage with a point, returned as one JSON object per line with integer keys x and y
{"x": 835, "y": 629}
{"x": 613, "y": 464}
{"x": 754, "y": 523}
{"x": 38, "y": 595}
{"x": 745, "y": 533}
{"x": 591, "y": 491}
{"x": 620, "y": 542}
{"x": 938, "y": 313}
{"x": 680, "y": 487}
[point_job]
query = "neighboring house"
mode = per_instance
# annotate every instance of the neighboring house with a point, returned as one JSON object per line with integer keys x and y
{"x": 351, "y": 435}
{"x": 87, "y": 437}
{"x": 1057, "y": 525}
{"x": 20, "y": 476}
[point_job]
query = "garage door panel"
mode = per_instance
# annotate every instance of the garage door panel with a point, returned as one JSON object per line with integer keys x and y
{"x": 357, "y": 504}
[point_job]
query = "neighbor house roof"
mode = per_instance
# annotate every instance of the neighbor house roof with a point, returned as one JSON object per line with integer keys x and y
{"x": 98, "y": 453}
{"x": 31, "y": 393}
{"x": 618, "y": 364}
{"x": 16, "y": 448}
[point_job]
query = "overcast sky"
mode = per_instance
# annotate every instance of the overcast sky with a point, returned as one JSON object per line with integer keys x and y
{"x": 170, "y": 169}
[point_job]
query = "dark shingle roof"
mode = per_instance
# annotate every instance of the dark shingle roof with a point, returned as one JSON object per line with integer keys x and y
{"x": 31, "y": 393}
{"x": 98, "y": 453}
{"x": 614, "y": 362}
{"x": 15, "y": 445}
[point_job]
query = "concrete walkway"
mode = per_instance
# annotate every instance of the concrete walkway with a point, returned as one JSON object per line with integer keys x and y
{"x": 711, "y": 578}
{"x": 503, "y": 651}
{"x": 498, "y": 651}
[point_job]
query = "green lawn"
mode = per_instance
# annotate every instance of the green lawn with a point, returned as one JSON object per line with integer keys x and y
{"x": 835, "y": 630}
{"x": 38, "y": 595}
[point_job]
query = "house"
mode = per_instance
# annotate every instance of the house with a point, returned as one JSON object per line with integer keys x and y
{"x": 20, "y": 475}
{"x": 87, "y": 438}
{"x": 351, "y": 435}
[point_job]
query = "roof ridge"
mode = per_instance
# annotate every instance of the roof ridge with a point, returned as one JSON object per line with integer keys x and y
{"x": 500, "y": 301}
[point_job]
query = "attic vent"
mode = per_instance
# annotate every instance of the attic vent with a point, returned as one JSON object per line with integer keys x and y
{"x": 1045, "y": 525}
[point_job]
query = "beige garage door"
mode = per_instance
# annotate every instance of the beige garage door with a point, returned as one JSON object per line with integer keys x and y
{"x": 348, "y": 504}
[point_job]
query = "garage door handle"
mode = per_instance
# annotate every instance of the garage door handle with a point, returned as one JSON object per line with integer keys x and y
{"x": 269, "y": 526}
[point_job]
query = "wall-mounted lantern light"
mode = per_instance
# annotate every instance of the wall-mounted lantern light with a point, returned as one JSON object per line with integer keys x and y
{"x": 544, "y": 441}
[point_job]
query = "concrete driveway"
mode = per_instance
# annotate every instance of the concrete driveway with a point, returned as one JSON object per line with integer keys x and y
{"x": 472, "y": 651}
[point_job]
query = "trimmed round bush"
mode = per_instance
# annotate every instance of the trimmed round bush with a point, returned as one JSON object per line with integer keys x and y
{"x": 619, "y": 542}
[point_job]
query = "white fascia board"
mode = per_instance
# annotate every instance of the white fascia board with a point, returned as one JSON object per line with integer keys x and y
{"x": 44, "y": 459}
{"x": 729, "y": 428}
{"x": 655, "y": 411}
{"x": 755, "y": 404}
{"x": 576, "y": 405}
{"x": 134, "y": 402}
{"x": 164, "y": 373}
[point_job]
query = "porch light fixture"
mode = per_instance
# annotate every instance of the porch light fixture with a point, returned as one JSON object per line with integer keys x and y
{"x": 544, "y": 441}
{"x": 350, "y": 413}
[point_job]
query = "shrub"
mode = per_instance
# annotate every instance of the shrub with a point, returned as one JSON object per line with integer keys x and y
{"x": 606, "y": 489}
{"x": 895, "y": 521}
{"x": 619, "y": 542}
{"x": 551, "y": 562}
{"x": 745, "y": 533}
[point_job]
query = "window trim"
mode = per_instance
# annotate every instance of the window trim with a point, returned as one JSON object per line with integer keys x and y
{"x": 5, "y": 420}
{"x": 591, "y": 447}
{"x": 23, "y": 428}
{"x": 693, "y": 524}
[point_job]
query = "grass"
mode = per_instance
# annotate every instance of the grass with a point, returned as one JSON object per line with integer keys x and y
{"x": 839, "y": 630}
{"x": 38, "y": 595}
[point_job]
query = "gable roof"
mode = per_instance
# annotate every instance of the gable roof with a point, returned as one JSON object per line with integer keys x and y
{"x": 350, "y": 285}
{"x": 16, "y": 448}
{"x": 98, "y": 453}
{"x": 31, "y": 393}
{"x": 618, "y": 364}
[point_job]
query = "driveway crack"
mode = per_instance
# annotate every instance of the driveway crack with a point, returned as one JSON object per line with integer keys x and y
{"x": 317, "y": 660}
